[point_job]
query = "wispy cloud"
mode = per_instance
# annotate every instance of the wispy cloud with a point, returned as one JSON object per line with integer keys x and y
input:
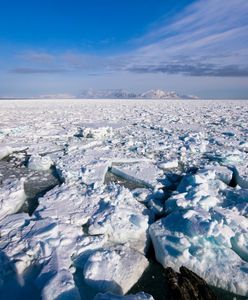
{"x": 37, "y": 56}
{"x": 212, "y": 33}
{"x": 193, "y": 70}
{"x": 37, "y": 71}
{"x": 208, "y": 38}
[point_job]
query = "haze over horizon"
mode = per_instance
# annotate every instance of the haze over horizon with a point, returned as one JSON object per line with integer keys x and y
{"x": 60, "y": 47}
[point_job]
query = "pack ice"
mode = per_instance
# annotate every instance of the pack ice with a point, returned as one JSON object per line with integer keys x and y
{"x": 131, "y": 175}
{"x": 205, "y": 231}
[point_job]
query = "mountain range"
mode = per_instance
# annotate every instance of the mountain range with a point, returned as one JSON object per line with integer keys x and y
{"x": 123, "y": 94}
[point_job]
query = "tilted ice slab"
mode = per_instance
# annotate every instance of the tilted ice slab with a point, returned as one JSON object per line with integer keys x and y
{"x": 122, "y": 219}
{"x": 88, "y": 166}
{"x": 238, "y": 228}
{"x": 94, "y": 173}
{"x": 204, "y": 232}
{"x": 109, "y": 296}
{"x": 144, "y": 173}
{"x": 122, "y": 268}
{"x": 12, "y": 196}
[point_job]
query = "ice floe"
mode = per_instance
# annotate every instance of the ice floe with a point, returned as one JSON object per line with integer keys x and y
{"x": 204, "y": 233}
{"x": 130, "y": 172}
{"x": 123, "y": 266}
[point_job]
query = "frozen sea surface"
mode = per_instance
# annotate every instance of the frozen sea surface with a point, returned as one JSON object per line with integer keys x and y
{"x": 87, "y": 187}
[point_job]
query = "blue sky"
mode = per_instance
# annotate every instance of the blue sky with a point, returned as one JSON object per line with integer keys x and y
{"x": 63, "y": 47}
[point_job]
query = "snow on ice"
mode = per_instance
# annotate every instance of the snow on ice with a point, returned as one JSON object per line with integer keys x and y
{"x": 37, "y": 162}
{"x": 123, "y": 266}
{"x": 132, "y": 174}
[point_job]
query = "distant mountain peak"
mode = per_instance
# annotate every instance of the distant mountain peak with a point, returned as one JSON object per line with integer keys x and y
{"x": 124, "y": 94}
{"x": 159, "y": 94}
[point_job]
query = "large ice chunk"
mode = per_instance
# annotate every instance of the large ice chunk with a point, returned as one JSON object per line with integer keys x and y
{"x": 199, "y": 190}
{"x": 144, "y": 173}
{"x": 205, "y": 231}
{"x": 202, "y": 245}
{"x": 115, "y": 269}
{"x": 122, "y": 218}
{"x": 46, "y": 244}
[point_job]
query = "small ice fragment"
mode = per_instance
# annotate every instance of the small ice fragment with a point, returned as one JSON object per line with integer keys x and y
{"x": 5, "y": 151}
{"x": 39, "y": 163}
{"x": 164, "y": 165}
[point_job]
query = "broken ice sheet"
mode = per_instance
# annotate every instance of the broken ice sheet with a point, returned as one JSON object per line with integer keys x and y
{"x": 35, "y": 183}
{"x": 122, "y": 218}
{"x": 204, "y": 233}
{"x": 81, "y": 214}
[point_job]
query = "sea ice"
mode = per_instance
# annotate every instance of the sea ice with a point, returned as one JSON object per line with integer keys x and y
{"x": 123, "y": 267}
{"x": 39, "y": 163}
{"x": 5, "y": 151}
{"x": 143, "y": 173}
{"x": 164, "y": 165}
{"x": 122, "y": 218}
{"x": 204, "y": 233}
{"x": 92, "y": 224}
{"x": 12, "y": 196}
{"x": 94, "y": 132}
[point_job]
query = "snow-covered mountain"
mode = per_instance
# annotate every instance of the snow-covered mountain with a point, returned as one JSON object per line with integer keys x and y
{"x": 159, "y": 94}
{"x": 123, "y": 94}
{"x": 107, "y": 94}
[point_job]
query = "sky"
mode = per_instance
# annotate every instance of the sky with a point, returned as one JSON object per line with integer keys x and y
{"x": 63, "y": 47}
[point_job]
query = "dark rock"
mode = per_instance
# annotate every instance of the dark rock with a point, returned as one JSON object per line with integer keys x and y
{"x": 186, "y": 285}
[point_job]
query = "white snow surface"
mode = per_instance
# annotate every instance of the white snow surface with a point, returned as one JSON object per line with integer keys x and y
{"x": 37, "y": 162}
{"x": 12, "y": 196}
{"x": 193, "y": 152}
{"x": 204, "y": 232}
{"x": 122, "y": 267}
{"x": 5, "y": 151}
